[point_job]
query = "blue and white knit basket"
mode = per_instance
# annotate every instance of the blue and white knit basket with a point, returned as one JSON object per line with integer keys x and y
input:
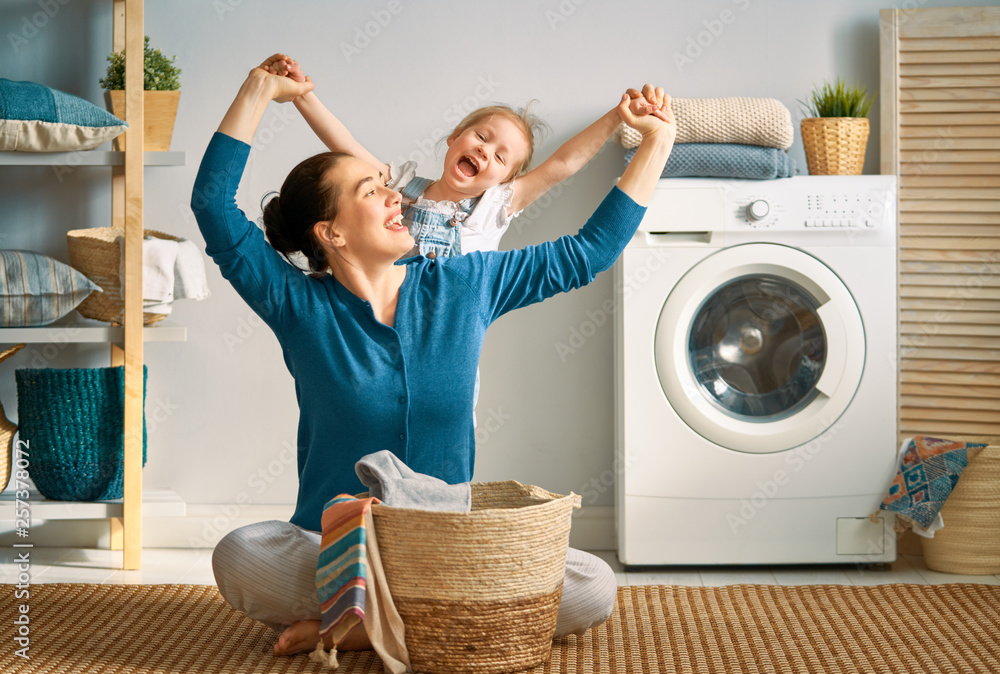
{"x": 72, "y": 421}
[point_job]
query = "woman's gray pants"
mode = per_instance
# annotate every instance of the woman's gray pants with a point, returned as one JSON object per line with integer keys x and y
{"x": 268, "y": 572}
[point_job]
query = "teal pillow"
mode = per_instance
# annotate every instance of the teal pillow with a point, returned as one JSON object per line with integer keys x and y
{"x": 36, "y": 289}
{"x": 34, "y": 118}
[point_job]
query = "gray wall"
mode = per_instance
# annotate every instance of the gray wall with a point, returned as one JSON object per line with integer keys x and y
{"x": 220, "y": 407}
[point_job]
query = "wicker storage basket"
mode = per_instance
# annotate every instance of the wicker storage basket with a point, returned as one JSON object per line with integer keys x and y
{"x": 73, "y": 423}
{"x": 7, "y": 429}
{"x": 969, "y": 543}
{"x": 96, "y": 254}
{"x": 835, "y": 145}
{"x": 478, "y": 591}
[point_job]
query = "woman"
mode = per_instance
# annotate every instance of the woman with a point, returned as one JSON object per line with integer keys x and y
{"x": 383, "y": 355}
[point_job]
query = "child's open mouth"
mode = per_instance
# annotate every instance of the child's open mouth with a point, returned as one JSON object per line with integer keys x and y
{"x": 468, "y": 167}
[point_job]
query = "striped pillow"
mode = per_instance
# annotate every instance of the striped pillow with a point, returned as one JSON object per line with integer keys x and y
{"x": 34, "y": 118}
{"x": 36, "y": 290}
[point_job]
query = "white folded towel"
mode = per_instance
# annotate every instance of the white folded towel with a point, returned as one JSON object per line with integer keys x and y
{"x": 172, "y": 269}
{"x": 158, "y": 259}
{"x": 190, "y": 282}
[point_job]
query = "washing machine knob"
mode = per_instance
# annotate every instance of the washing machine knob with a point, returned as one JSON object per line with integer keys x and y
{"x": 758, "y": 210}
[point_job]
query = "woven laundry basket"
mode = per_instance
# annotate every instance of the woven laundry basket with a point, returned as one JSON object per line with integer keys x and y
{"x": 835, "y": 145}
{"x": 97, "y": 255}
{"x": 478, "y": 591}
{"x": 969, "y": 543}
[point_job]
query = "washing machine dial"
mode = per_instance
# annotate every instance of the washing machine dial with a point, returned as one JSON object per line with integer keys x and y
{"x": 757, "y": 210}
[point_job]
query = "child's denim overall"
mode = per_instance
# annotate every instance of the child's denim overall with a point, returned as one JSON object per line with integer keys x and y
{"x": 436, "y": 234}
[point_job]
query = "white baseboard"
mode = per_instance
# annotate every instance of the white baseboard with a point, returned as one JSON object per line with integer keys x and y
{"x": 205, "y": 524}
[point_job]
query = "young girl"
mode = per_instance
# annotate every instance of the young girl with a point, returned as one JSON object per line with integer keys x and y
{"x": 473, "y": 202}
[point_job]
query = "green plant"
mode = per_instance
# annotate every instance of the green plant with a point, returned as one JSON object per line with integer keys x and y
{"x": 159, "y": 72}
{"x": 838, "y": 100}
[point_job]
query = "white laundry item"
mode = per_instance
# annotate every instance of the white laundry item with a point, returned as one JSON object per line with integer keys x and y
{"x": 172, "y": 269}
{"x": 190, "y": 281}
{"x": 158, "y": 259}
{"x": 150, "y": 307}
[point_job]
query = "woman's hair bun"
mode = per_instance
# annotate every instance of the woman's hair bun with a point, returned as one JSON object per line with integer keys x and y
{"x": 274, "y": 224}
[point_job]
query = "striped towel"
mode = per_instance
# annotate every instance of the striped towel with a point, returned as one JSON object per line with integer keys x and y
{"x": 342, "y": 571}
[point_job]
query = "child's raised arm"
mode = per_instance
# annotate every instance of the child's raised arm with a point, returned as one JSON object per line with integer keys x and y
{"x": 572, "y": 155}
{"x": 324, "y": 124}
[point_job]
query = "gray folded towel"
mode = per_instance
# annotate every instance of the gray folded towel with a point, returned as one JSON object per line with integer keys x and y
{"x": 395, "y": 484}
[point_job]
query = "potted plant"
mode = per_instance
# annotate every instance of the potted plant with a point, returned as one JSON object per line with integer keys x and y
{"x": 161, "y": 84}
{"x": 835, "y": 128}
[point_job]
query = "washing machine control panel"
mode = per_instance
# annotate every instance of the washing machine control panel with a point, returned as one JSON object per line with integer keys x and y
{"x": 812, "y": 203}
{"x": 824, "y": 210}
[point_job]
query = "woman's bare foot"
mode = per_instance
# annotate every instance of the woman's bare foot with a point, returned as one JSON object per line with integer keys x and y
{"x": 299, "y": 637}
{"x": 302, "y": 636}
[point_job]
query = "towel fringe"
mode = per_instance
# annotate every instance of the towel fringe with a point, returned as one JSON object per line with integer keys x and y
{"x": 320, "y": 655}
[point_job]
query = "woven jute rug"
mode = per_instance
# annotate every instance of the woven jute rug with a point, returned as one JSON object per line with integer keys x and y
{"x": 141, "y": 629}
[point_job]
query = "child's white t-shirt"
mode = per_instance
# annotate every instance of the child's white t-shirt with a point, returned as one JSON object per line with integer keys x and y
{"x": 483, "y": 228}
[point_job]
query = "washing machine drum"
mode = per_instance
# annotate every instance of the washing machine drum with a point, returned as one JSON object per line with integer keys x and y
{"x": 760, "y": 348}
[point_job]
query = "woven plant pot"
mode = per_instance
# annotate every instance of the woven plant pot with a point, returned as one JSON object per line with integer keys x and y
{"x": 96, "y": 254}
{"x": 835, "y": 146}
{"x": 478, "y": 591}
{"x": 969, "y": 543}
{"x": 73, "y": 423}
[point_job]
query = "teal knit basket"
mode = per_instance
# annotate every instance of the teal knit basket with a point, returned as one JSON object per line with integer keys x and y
{"x": 73, "y": 423}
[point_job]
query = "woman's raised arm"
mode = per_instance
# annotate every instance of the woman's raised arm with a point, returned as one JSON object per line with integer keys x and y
{"x": 658, "y": 131}
{"x": 259, "y": 89}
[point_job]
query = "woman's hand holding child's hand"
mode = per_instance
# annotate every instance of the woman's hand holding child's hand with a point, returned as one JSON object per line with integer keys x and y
{"x": 647, "y": 111}
{"x": 286, "y": 78}
{"x": 285, "y": 66}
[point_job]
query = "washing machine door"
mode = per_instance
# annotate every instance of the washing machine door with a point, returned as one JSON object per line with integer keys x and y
{"x": 760, "y": 348}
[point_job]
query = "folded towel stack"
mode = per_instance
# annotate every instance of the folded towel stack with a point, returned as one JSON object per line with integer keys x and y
{"x": 738, "y": 137}
{"x": 172, "y": 269}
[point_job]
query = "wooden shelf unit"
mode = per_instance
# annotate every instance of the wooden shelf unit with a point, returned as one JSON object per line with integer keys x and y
{"x": 126, "y": 341}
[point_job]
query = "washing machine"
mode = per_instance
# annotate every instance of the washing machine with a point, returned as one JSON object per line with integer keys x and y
{"x": 755, "y": 373}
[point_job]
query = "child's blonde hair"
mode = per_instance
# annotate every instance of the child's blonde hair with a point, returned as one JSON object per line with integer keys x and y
{"x": 525, "y": 119}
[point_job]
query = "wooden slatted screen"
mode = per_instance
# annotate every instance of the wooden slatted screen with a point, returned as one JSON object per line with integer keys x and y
{"x": 940, "y": 102}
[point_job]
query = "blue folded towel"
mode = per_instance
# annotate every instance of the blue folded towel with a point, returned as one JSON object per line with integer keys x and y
{"x": 725, "y": 160}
